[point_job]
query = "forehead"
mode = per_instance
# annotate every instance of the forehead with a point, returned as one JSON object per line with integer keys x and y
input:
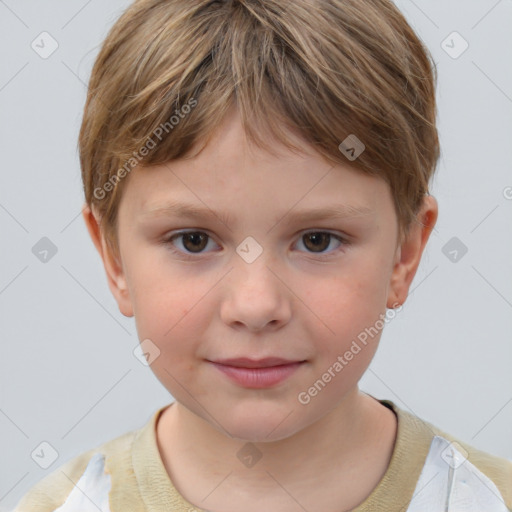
{"x": 231, "y": 176}
{"x": 255, "y": 200}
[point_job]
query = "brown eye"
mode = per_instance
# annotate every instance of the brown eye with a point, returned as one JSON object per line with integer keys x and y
{"x": 187, "y": 243}
{"x": 195, "y": 241}
{"x": 317, "y": 241}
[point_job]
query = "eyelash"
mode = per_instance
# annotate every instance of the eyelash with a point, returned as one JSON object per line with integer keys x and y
{"x": 168, "y": 241}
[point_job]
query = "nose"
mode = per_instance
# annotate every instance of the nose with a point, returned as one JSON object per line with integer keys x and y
{"x": 256, "y": 296}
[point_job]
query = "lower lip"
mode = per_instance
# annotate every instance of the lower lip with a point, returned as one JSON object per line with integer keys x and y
{"x": 258, "y": 378}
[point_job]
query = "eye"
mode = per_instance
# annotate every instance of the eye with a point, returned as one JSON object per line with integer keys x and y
{"x": 318, "y": 241}
{"x": 193, "y": 242}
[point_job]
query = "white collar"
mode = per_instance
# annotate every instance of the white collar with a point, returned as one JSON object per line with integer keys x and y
{"x": 450, "y": 483}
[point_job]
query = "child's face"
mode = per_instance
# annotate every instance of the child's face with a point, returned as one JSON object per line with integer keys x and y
{"x": 304, "y": 298}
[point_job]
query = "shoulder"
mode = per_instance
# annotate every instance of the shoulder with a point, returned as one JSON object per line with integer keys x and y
{"x": 458, "y": 460}
{"x": 90, "y": 470}
{"x": 497, "y": 469}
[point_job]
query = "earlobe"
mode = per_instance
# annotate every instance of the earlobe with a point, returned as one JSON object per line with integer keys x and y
{"x": 409, "y": 252}
{"x": 115, "y": 275}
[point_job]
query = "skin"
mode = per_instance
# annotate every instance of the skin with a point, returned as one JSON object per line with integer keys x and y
{"x": 296, "y": 300}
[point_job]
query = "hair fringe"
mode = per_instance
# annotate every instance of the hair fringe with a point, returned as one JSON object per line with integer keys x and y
{"x": 317, "y": 69}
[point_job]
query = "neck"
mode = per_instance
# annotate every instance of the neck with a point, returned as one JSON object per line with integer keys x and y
{"x": 350, "y": 447}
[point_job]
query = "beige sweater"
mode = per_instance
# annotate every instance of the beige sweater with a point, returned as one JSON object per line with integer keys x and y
{"x": 138, "y": 480}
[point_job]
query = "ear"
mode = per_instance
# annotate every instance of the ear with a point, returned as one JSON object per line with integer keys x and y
{"x": 113, "y": 267}
{"x": 409, "y": 252}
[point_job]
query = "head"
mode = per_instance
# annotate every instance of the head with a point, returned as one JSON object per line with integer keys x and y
{"x": 239, "y": 108}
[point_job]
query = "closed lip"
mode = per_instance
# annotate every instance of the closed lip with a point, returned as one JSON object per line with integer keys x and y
{"x": 245, "y": 362}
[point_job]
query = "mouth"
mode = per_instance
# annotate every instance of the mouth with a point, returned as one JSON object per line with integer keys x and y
{"x": 246, "y": 362}
{"x": 257, "y": 373}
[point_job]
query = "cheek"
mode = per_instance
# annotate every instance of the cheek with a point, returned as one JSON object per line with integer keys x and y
{"x": 349, "y": 300}
{"x": 345, "y": 331}
{"x": 344, "y": 306}
{"x": 166, "y": 306}
{"x": 176, "y": 327}
{"x": 169, "y": 317}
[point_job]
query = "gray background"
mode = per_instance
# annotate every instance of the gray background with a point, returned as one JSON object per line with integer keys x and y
{"x": 68, "y": 373}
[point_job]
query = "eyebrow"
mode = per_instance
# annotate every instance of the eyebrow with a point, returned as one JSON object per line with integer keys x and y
{"x": 336, "y": 211}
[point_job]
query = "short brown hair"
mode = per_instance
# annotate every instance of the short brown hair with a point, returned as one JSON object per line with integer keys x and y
{"x": 325, "y": 69}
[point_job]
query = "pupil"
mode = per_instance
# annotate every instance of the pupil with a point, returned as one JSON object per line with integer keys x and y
{"x": 317, "y": 238}
{"x": 196, "y": 238}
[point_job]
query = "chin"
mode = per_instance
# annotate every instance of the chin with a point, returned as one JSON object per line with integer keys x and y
{"x": 255, "y": 425}
{"x": 258, "y": 433}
